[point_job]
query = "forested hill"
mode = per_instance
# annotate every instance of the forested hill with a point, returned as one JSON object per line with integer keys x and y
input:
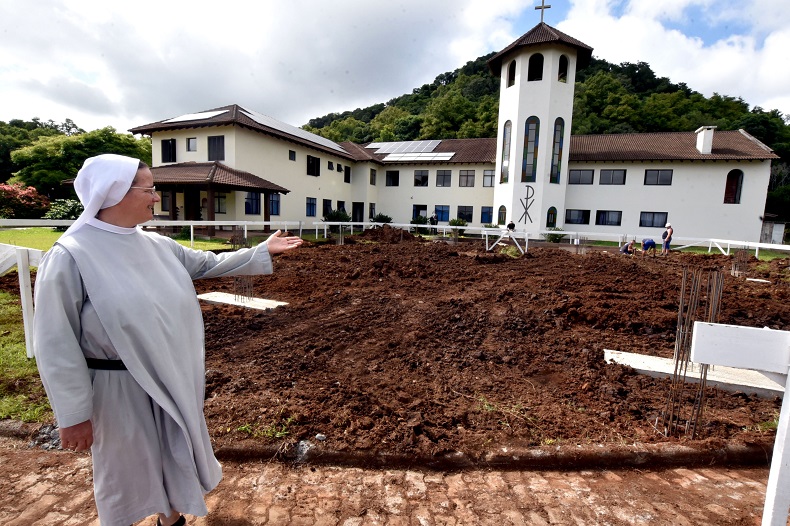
{"x": 610, "y": 98}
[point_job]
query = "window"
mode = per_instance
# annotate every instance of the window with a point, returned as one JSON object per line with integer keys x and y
{"x": 556, "y": 152}
{"x": 505, "y": 152}
{"x": 216, "y": 148}
{"x": 291, "y": 155}
{"x": 535, "y": 71}
{"x": 330, "y": 165}
{"x": 372, "y": 210}
{"x": 658, "y": 177}
{"x": 501, "y": 216}
{"x": 313, "y": 166}
{"x": 443, "y": 177}
{"x": 166, "y": 200}
{"x": 612, "y": 177}
{"x": 252, "y": 203}
{"x": 577, "y": 217}
{"x": 420, "y": 177}
{"x": 466, "y": 178}
{"x": 551, "y": 217}
{"x": 347, "y": 174}
{"x": 732, "y": 190}
{"x": 608, "y": 217}
{"x": 219, "y": 204}
{"x": 511, "y": 73}
{"x": 465, "y": 213}
{"x": 274, "y": 204}
{"x": 169, "y": 151}
{"x": 192, "y": 144}
{"x": 488, "y": 178}
{"x": 562, "y": 74}
{"x": 310, "y": 210}
{"x": 373, "y": 177}
{"x": 653, "y": 219}
{"x": 486, "y": 214}
{"x": 529, "y": 165}
{"x": 580, "y": 177}
{"x": 326, "y": 207}
{"x": 393, "y": 178}
{"x": 339, "y": 167}
{"x": 442, "y": 212}
{"x": 419, "y": 211}
{"x": 341, "y": 205}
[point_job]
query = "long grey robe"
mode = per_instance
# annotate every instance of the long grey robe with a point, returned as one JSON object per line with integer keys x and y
{"x": 111, "y": 292}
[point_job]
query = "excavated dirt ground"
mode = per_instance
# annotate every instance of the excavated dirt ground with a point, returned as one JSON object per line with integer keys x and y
{"x": 396, "y": 345}
{"x": 393, "y": 344}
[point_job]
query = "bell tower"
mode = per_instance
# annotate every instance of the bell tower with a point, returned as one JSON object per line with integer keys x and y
{"x": 537, "y": 75}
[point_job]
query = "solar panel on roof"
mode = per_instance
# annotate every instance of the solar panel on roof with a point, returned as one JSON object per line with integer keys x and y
{"x": 265, "y": 120}
{"x": 419, "y": 156}
{"x": 404, "y": 146}
{"x": 196, "y": 116}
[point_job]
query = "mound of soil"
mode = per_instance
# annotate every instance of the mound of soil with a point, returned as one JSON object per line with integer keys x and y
{"x": 414, "y": 347}
{"x": 394, "y": 344}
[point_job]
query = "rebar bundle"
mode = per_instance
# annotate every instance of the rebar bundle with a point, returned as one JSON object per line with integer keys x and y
{"x": 242, "y": 285}
{"x": 693, "y": 307}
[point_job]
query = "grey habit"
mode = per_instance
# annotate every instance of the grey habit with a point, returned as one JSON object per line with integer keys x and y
{"x": 121, "y": 293}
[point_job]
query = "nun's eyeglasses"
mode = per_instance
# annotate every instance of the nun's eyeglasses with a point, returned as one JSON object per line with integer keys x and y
{"x": 148, "y": 189}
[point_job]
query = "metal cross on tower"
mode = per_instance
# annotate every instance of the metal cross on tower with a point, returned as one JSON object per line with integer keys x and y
{"x": 542, "y": 8}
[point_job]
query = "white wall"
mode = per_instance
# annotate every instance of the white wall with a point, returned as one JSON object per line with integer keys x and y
{"x": 694, "y": 201}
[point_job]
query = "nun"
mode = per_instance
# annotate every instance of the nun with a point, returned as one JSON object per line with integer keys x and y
{"x": 119, "y": 344}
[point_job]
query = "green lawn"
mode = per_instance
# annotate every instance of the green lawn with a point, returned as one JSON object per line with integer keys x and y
{"x": 21, "y": 393}
{"x": 42, "y": 238}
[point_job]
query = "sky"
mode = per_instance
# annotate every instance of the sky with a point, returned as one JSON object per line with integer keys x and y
{"x": 106, "y": 63}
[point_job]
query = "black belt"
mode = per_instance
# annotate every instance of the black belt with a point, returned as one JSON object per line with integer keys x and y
{"x": 106, "y": 365}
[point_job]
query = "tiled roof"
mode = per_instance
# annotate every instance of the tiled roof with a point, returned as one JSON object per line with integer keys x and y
{"x": 213, "y": 172}
{"x": 673, "y": 146}
{"x": 542, "y": 34}
{"x": 237, "y": 115}
{"x": 476, "y": 151}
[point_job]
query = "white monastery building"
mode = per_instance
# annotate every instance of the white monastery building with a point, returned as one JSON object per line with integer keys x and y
{"x": 235, "y": 164}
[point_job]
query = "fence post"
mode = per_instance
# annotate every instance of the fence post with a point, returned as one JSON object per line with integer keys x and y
{"x": 26, "y": 295}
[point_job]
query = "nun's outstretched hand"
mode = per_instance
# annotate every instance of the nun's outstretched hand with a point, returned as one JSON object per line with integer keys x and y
{"x": 279, "y": 243}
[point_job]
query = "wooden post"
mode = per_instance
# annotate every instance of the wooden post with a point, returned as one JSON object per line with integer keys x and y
{"x": 26, "y": 295}
{"x": 763, "y": 350}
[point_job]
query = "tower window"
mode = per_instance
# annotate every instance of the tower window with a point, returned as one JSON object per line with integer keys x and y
{"x": 511, "y": 73}
{"x": 535, "y": 68}
{"x": 732, "y": 190}
{"x": 562, "y": 74}
{"x": 505, "y": 152}
{"x": 529, "y": 165}
{"x": 556, "y": 154}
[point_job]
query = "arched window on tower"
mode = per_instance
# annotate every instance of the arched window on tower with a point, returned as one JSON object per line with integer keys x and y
{"x": 551, "y": 218}
{"x": 501, "y": 217}
{"x": 556, "y": 151}
{"x": 562, "y": 75}
{"x": 535, "y": 67}
{"x": 511, "y": 73}
{"x": 505, "y": 152}
{"x": 529, "y": 165}
{"x": 732, "y": 190}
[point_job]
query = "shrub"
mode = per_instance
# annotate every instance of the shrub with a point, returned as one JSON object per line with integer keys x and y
{"x": 336, "y": 216}
{"x": 381, "y": 218}
{"x": 554, "y": 238}
{"x": 64, "y": 209}
{"x": 458, "y": 222}
{"x": 420, "y": 220}
{"x": 21, "y": 202}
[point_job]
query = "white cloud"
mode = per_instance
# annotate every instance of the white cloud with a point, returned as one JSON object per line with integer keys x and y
{"x": 752, "y": 65}
{"x": 105, "y": 63}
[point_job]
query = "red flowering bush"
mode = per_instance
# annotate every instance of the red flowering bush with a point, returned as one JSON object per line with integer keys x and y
{"x": 21, "y": 202}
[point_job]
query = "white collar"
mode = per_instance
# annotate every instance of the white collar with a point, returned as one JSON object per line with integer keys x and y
{"x": 111, "y": 228}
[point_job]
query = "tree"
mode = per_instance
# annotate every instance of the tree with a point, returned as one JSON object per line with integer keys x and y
{"x": 18, "y": 133}
{"x": 50, "y": 160}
